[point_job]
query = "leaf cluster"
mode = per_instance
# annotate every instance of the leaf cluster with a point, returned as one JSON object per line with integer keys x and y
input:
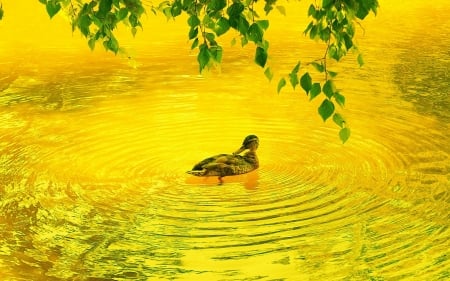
{"x": 210, "y": 19}
{"x": 333, "y": 23}
{"x": 98, "y": 19}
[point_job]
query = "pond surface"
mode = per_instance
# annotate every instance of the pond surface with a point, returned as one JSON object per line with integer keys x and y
{"x": 94, "y": 149}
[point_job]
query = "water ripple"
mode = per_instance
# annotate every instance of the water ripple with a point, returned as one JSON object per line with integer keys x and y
{"x": 93, "y": 182}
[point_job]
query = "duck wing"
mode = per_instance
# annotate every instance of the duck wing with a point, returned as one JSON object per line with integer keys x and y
{"x": 200, "y": 165}
{"x": 223, "y": 165}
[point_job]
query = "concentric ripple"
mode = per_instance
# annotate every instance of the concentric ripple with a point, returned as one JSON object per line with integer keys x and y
{"x": 93, "y": 183}
{"x": 109, "y": 184}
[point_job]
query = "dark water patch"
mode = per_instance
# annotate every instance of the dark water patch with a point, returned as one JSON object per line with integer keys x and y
{"x": 422, "y": 72}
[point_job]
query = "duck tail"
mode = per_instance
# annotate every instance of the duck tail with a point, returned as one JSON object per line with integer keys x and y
{"x": 197, "y": 173}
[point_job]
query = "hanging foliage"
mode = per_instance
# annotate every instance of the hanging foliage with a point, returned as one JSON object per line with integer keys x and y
{"x": 333, "y": 22}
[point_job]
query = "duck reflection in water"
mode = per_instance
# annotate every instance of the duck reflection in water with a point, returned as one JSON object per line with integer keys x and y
{"x": 222, "y": 165}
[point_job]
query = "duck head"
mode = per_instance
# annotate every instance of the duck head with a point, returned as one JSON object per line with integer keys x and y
{"x": 251, "y": 142}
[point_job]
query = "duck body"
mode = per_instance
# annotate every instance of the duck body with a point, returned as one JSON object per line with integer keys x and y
{"x": 222, "y": 165}
{"x": 226, "y": 165}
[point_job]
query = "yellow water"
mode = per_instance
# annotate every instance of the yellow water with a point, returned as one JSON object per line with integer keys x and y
{"x": 94, "y": 149}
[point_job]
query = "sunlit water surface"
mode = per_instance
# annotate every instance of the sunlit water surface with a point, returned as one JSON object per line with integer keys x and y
{"x": 94, "y": 149}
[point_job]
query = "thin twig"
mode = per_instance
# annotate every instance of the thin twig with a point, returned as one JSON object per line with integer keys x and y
{"x": 362, "y": 27}
{"x": 203, "y": 28}
{"x": 325, "y": 60}
{"x": 253, "y": 11}
{"x": 73, "y": 11}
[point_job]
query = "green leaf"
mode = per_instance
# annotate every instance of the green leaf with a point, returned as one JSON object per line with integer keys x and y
{"x": 113, "y": 44}
{"x": 210, "y": 37}
{"x": 340, "y": 99}
{"x": 53, "y": 8}
{"x": 296, "y": 68}
{"x": 133, "y": 31}
{"x": 306, "y": 82}
{"x": 325, "y": 34}
{"x": 360, "y": 60}
{"x": 122, "y": 14}
{"x": 203, "y": 56}
{"x": 318, "y": 66}
{"x": 308, "y": 28}
{"x": 176, "y": 9}
{"x": 349, "y": 27}
{"x": 293, "y": 78}
{"x": 327, "y": 3}
{"x": 315, "y": 91}
{"x": 313, "y": 31}
{"x": 336, "y": 52}
{"x": 281, "y": 84}
{"x": 193, "y": 21}
{"x": 332, "y": 73}
{"x": 264, "y": 44}
{"x": 217, "y": 5}
{"x": 99, "y": 35}
{"x": 344, "y": 134}
{"x": 260, "y": 56}
{"x": 326, "y": 109}
{"x": 235, "y": 9}
{"x": 216, "y": 53}
{"x": 103, "y": 8}
{"x": 328, "y": 88}
{"x": 1, "y": 12}
{"x": 193, "y": 32}
{"x": 244, "y": 41}
{"x": 373, "y": 4}
{"x": 318, "y": 15}
{"x": 268, "y": 73}
{"x": 311, "y": 10}
{"x": 269, "y": 5}
{"x": 332, "y": 52}
{"x": 208, "y": 22}
{"x": 110, "y": 21}
{"x": 282, "y": 10}
{"x": 194, "y": 44}
{"x": 264, "y": 24}
{"x": 133, "y": 19}
{"x": 362, "y": 12}
{"x": 339, "y": 120}
{"x": 255, "y": 33}
{"x": 97, "y": 21}
{"x": 83, "y": 24}
{"x": 243, "y": 25}
{"x": 348, "y": 41}
{"x": 91, "y": 43}
{"x": 222, "y": 26}
{"x": 90, "y": 6}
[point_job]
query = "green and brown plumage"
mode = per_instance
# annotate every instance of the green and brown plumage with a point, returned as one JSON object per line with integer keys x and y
{"x": 222, "y": 165}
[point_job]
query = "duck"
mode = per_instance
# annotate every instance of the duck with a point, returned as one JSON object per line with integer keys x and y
{"x": 222, "y": 165}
